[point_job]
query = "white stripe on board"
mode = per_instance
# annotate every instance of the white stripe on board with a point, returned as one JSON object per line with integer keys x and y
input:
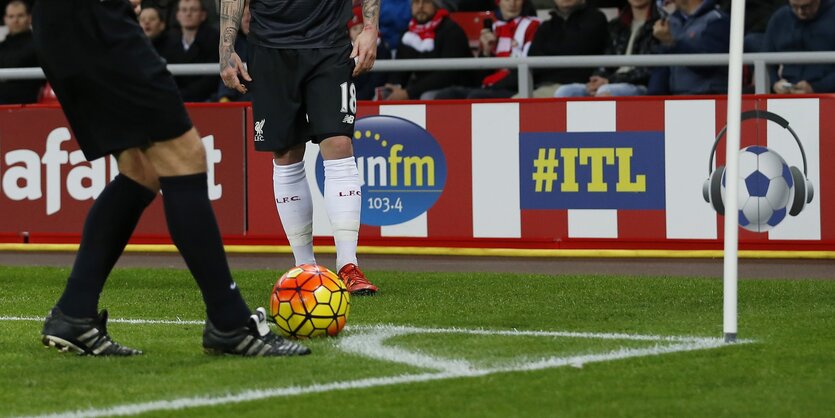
{"x": 416, "y": 227}
{"x": 495, "y": 159}
{"x": 592, "y": 223}
{"x": 804, "y": 117}
{"x": 689, "y": 132}
{"x": 587, "y": 116}
{"x": 371, "y": 344}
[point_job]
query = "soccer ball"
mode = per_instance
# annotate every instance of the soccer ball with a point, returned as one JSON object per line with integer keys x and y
{"x": 765, "y": 186}
{"x": 310, "y": 301}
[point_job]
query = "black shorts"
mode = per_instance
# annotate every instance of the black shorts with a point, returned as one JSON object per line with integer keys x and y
{"x": 301, "y": 95}
{"x": 113, "y": 86}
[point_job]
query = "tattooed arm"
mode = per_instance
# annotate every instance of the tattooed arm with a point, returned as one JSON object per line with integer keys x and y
{"x": 365, "y": 46}
{"x": 230, "y": 63}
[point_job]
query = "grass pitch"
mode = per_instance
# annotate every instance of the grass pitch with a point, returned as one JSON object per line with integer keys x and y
{"x": 787, "y": 368}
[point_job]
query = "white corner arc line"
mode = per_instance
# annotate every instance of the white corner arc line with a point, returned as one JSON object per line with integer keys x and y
{"x": 455, "y": 369}
{"x": 370, "y": 344}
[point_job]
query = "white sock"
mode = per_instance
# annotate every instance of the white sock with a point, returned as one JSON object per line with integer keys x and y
{"x": 295, "y": 209}
{"x": 343, "y": 202}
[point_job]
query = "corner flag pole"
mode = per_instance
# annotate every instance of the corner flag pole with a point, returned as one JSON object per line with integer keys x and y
{"x": 732, "y": 171}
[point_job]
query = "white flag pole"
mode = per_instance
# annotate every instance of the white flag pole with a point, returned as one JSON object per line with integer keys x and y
{"x": 732, "y": 171}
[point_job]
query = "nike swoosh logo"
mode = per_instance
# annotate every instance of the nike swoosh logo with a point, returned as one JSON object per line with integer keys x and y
{"x": 233, "y": 286}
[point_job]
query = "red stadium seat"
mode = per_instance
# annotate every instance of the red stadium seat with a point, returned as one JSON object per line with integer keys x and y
{"x": 47, "y": 95}
{"x": 473, "y": 23}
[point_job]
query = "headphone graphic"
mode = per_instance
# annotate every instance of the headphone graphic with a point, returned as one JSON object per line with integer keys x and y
{"x": 803, "y": 189}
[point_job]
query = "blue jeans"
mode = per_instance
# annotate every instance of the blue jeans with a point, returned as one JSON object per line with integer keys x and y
{"x": 614, "y": 89}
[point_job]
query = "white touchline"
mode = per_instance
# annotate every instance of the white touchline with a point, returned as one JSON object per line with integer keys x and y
{"x": 368, "y": 341}
{"x": 114, "y": 320}
{"x": 565, "y": 334}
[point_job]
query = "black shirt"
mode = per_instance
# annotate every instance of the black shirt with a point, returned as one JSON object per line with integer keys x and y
{"x": 299, "y": 24}
{"x": 198, "y": 88}
{"x": 18, "y": 50}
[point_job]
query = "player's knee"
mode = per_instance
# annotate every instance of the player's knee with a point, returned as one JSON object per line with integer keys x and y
{"x": 336, "y": 147}
{"x": 146, "y": 176}
{"x": 289, "y": 156}
{"x": 191, "y": 158}
{"x": 134, "y": 165}
{"x": 180, "y": 156}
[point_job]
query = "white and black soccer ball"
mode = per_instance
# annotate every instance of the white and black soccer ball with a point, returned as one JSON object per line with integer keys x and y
{"x": 765, "y": 188}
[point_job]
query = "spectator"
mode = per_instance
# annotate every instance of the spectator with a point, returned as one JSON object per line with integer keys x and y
{"x": 18, "y": 50}
{"x": 629, "y": 34}
{"x": 803, "y": 25}
{"x": 469, "y": 5}
{"x": 573, "y": 29}
{"x": 169, "y": 11}
{"x": 757, "y": 15}
{"x": 431, "y": 34}
{"x": 695, "y": 27}
{"x": 194, "y": 42}
{"x": 394, "y": 20}
{"x": 153, "y": 24}
{"x": 226, "y": 94}
{"x": 502, "y": 40}
{"x": 367, "y": 83}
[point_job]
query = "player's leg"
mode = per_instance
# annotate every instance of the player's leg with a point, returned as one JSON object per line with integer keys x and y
{"x": 181, "y": 165}
{"x": 294, "y": 203}
{"x": 65, "y": 52}
{"x": 332, "y": 107}
{"x": 342, "y": 196}
{"x": 230, "y": 328}
{"x": 343, "y": 201}
{"x": 110, "y": 223}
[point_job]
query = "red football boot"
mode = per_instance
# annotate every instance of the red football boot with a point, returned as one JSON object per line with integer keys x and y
{"x": 355, "y": 281}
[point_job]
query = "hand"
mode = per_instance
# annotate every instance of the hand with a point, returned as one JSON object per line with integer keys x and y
{"x": 365, "y": 50}
{"x": 802, "y": 87}
{"x": 782, "y": 87}
{"x": 487, "y": 41}
{"x": 137, "y": 6}
{"x": 594, "y": 83}
{"x": 661, "y": 31}
{"x": 229, "y": 73}
{"x": 397, "y": 92}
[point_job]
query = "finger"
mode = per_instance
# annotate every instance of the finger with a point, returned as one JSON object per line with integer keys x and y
{"x": 237, "y": 86}
{"x": 359, "y": 62}
{"x": 243, "y": 71}
{"x": 231, "y": 81}
{"x": 369, "y": 62}
{"x": 369, "y": 56}
{"x": 355, "y": 50}
{"x": 227, "y": 81}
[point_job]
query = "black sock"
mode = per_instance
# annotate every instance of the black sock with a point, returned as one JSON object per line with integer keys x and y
{"x": 193, "y": 227}
{"x": 110, "y": 223}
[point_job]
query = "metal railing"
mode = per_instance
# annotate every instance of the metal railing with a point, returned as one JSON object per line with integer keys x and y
{"x": 524, "y": 66}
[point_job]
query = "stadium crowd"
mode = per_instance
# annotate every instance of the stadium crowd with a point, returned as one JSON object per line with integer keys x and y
{"x": 186, "y": 31}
